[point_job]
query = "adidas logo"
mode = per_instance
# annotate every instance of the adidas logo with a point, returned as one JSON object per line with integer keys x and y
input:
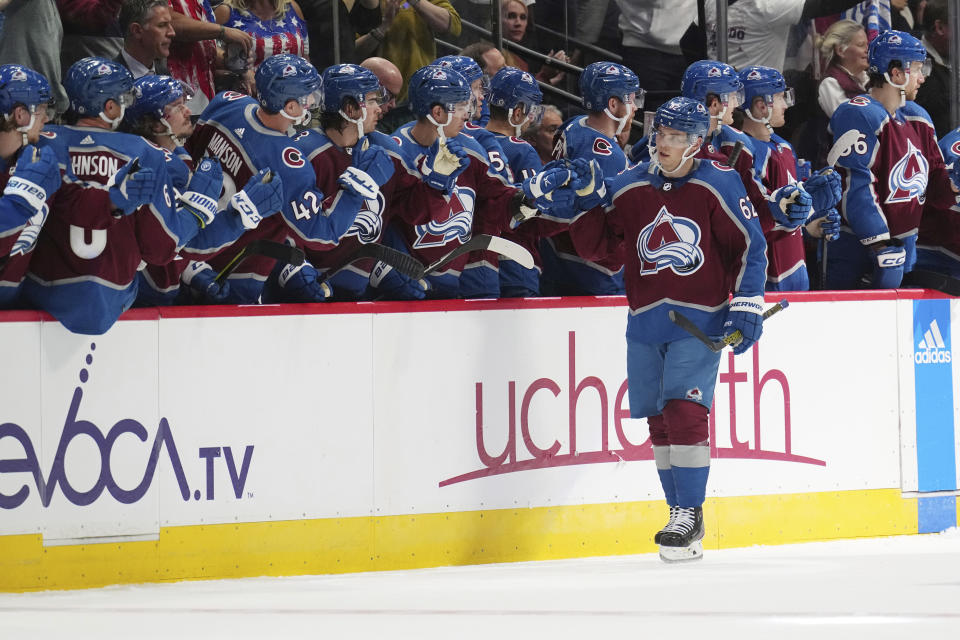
{"x": 87, "y": 140}
{"x": 932, "y": 349}
{"x": 239, "y": 131}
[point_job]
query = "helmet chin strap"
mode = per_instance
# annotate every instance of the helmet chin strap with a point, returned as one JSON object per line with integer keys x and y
{"x": 516, "y": 127}
{"x": 621, "y": 122}
{"x": 177, "y": 140}
{"x": 688, "y": 154}
{"x": 440, "y": 133}
{"x": 764, "y": 121}
{"x": 24, "y": 130}
{"x": 901, "y": 87}
{"x": 357, "y": 121}
{"x": 302, "y": 119}
{"x": 116, "y": 121}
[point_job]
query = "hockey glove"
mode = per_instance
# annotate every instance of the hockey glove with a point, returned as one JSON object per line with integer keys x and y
{"x": 202, "y": 193}
{"x": 373, "y": 160}
{"x": 745, "y": 316}
{"x": 132, "y": 186}
{"x": 444, "y": 163}
{"x": 588, "y": 184}
{"x": 826, "y": 225}
{"x": 261, "y": 197}
{"x": 28, "y": 235}
{"x": 790, "y": 206}
{"x": 288, "y": 283}
{"x": 888, "y": 270}
{"x": 479, "y": 280}
{"x": 36, "y": 178}
{"x": 825, "y": 189}
{"x": 201, "y": 284}
{"x": 392, "y": 284}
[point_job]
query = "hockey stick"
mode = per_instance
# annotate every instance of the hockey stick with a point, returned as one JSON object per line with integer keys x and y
{"x": 735, "y": 154}
{"x": 717, "y": 346}
{"x": 267, "y": 248}
{"x": 840, "y": 148}
{"x": 402, "y": 262}
{"x": 932, "y": 280}
{"x": 483, "y": 242}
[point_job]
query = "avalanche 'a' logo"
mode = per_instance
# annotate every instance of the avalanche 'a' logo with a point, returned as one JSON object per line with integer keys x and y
{"x": 602, "y": 147}
{"x": 369, "y": 221}
{"x": 670, "y": 242}
{"x": 908, "y": 178}
{"x": 457, "y": 224}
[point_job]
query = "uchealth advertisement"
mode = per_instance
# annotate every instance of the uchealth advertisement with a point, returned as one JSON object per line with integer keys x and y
{"x": 213, "y": 420}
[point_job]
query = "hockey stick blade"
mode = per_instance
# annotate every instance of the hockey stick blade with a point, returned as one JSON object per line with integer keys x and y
{"x": 402, "y": 262}
{"x": 267, "y": 248}
{"x": 483, "y": 242}
{"x": 717, "y": 346}
{"x": 842, "y": 146}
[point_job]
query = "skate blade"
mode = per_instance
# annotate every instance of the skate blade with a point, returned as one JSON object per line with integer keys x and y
{"x": 673, "y": 555}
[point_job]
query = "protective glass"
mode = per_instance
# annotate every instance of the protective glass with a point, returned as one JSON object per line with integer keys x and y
{"x": 534, "y": 113}
{"x": 383, "y": 96}
{"x": 789, "y": 97}
{"x": 732, "y": 98}
{"x": 176, "y": 106}
{"x": 924, "y": 67}
{"x": 310, "y": 101}
{"x": 673, "y": 139}
{"x": 463, "y": 109}
{"x": 126, "y": 98}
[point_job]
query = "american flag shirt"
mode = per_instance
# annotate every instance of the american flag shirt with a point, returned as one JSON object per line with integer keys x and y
{"x": 270, "y": 37}
{"x": 193, "y": 62}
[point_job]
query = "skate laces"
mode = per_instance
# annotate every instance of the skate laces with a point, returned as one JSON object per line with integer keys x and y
{"x": 682, "y": 522}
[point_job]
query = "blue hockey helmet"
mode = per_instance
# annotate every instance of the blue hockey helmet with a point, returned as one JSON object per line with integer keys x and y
{"x": 511, "y": 86}
{"x": 342, "y": 81}
{"x": 153, "y": 93}
{"x": 896, "y": 46}
{"x": 432, "y": 85}
{"x": 683, "y": 114}
{"x": 90, "y": 82}
{"x": 710, "y": 76}
{"x": 601, "y": 81}
{"x": 763, "y": 82}
{"x": 465, "y": 66}
{"x": 21, "y": 85}
{"x": 285, "y": 77}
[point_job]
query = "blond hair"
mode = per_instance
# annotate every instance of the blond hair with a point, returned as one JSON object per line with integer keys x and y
{"x": 840, "y": 34}
{"x": 280, "y": 6}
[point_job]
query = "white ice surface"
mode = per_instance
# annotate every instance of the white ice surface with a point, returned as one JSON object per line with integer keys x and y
{"x": 904, "y": 587}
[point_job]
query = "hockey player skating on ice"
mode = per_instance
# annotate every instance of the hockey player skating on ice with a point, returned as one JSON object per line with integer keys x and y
{"x": 611, "y": 93}
{"x": 24, "y": 97}
{"x": 894, "y": 168}
{"x": 687, "y": 232}
{"x": 249, "y": 135}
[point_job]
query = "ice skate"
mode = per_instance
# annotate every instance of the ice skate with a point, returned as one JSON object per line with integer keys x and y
{"x": 681, "y": 539}
{"x": 670, "y": 521}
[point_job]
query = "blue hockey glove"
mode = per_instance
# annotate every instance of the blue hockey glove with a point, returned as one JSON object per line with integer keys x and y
{"x": 888, "y": 270}
{"x": 479, "y": 280}
{"x": 132, "y": 186}
{"x": 588, "y": 184}
{"x": 444, "y": 164}
{"x": 200, "y": 281}
{"x": 746, "y": 316}
{"x": 259, "y": 198}
{"x": 202, "y": 193}
{"x": 373, "y": 160}
{"x": 288, "y": 283}
{"x": 35, "y": 178}
{"x": 826, "y": 224}
{"x": 825, "y": 189}
{"x": 790, "y": 206}
{"x": 392, "y": 284}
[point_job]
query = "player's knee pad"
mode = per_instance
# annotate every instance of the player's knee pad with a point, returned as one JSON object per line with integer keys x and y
{"x": 686, "y": 422}
{"x": 658, "y": 431}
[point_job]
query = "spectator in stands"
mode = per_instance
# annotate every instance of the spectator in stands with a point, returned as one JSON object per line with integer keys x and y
{"x": 354, "y": 16}
{"x": 32, "y": 34}
{"x": 406, "y": 34}
{"x": 934, "y": 95}
{"x": 758, "y": 29}
{"x": 541, "y": 135}
{"x": 277, "y": 26}
{"x": 193, "y": 54}
{"x": 147, "y": 35}
{"x": 486, "y": 55}
{"x": 390, "y": 79}
{"x": 515, "y": 21}
{"x": 90, "y": 28}
{"x": 478, "y": 12}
